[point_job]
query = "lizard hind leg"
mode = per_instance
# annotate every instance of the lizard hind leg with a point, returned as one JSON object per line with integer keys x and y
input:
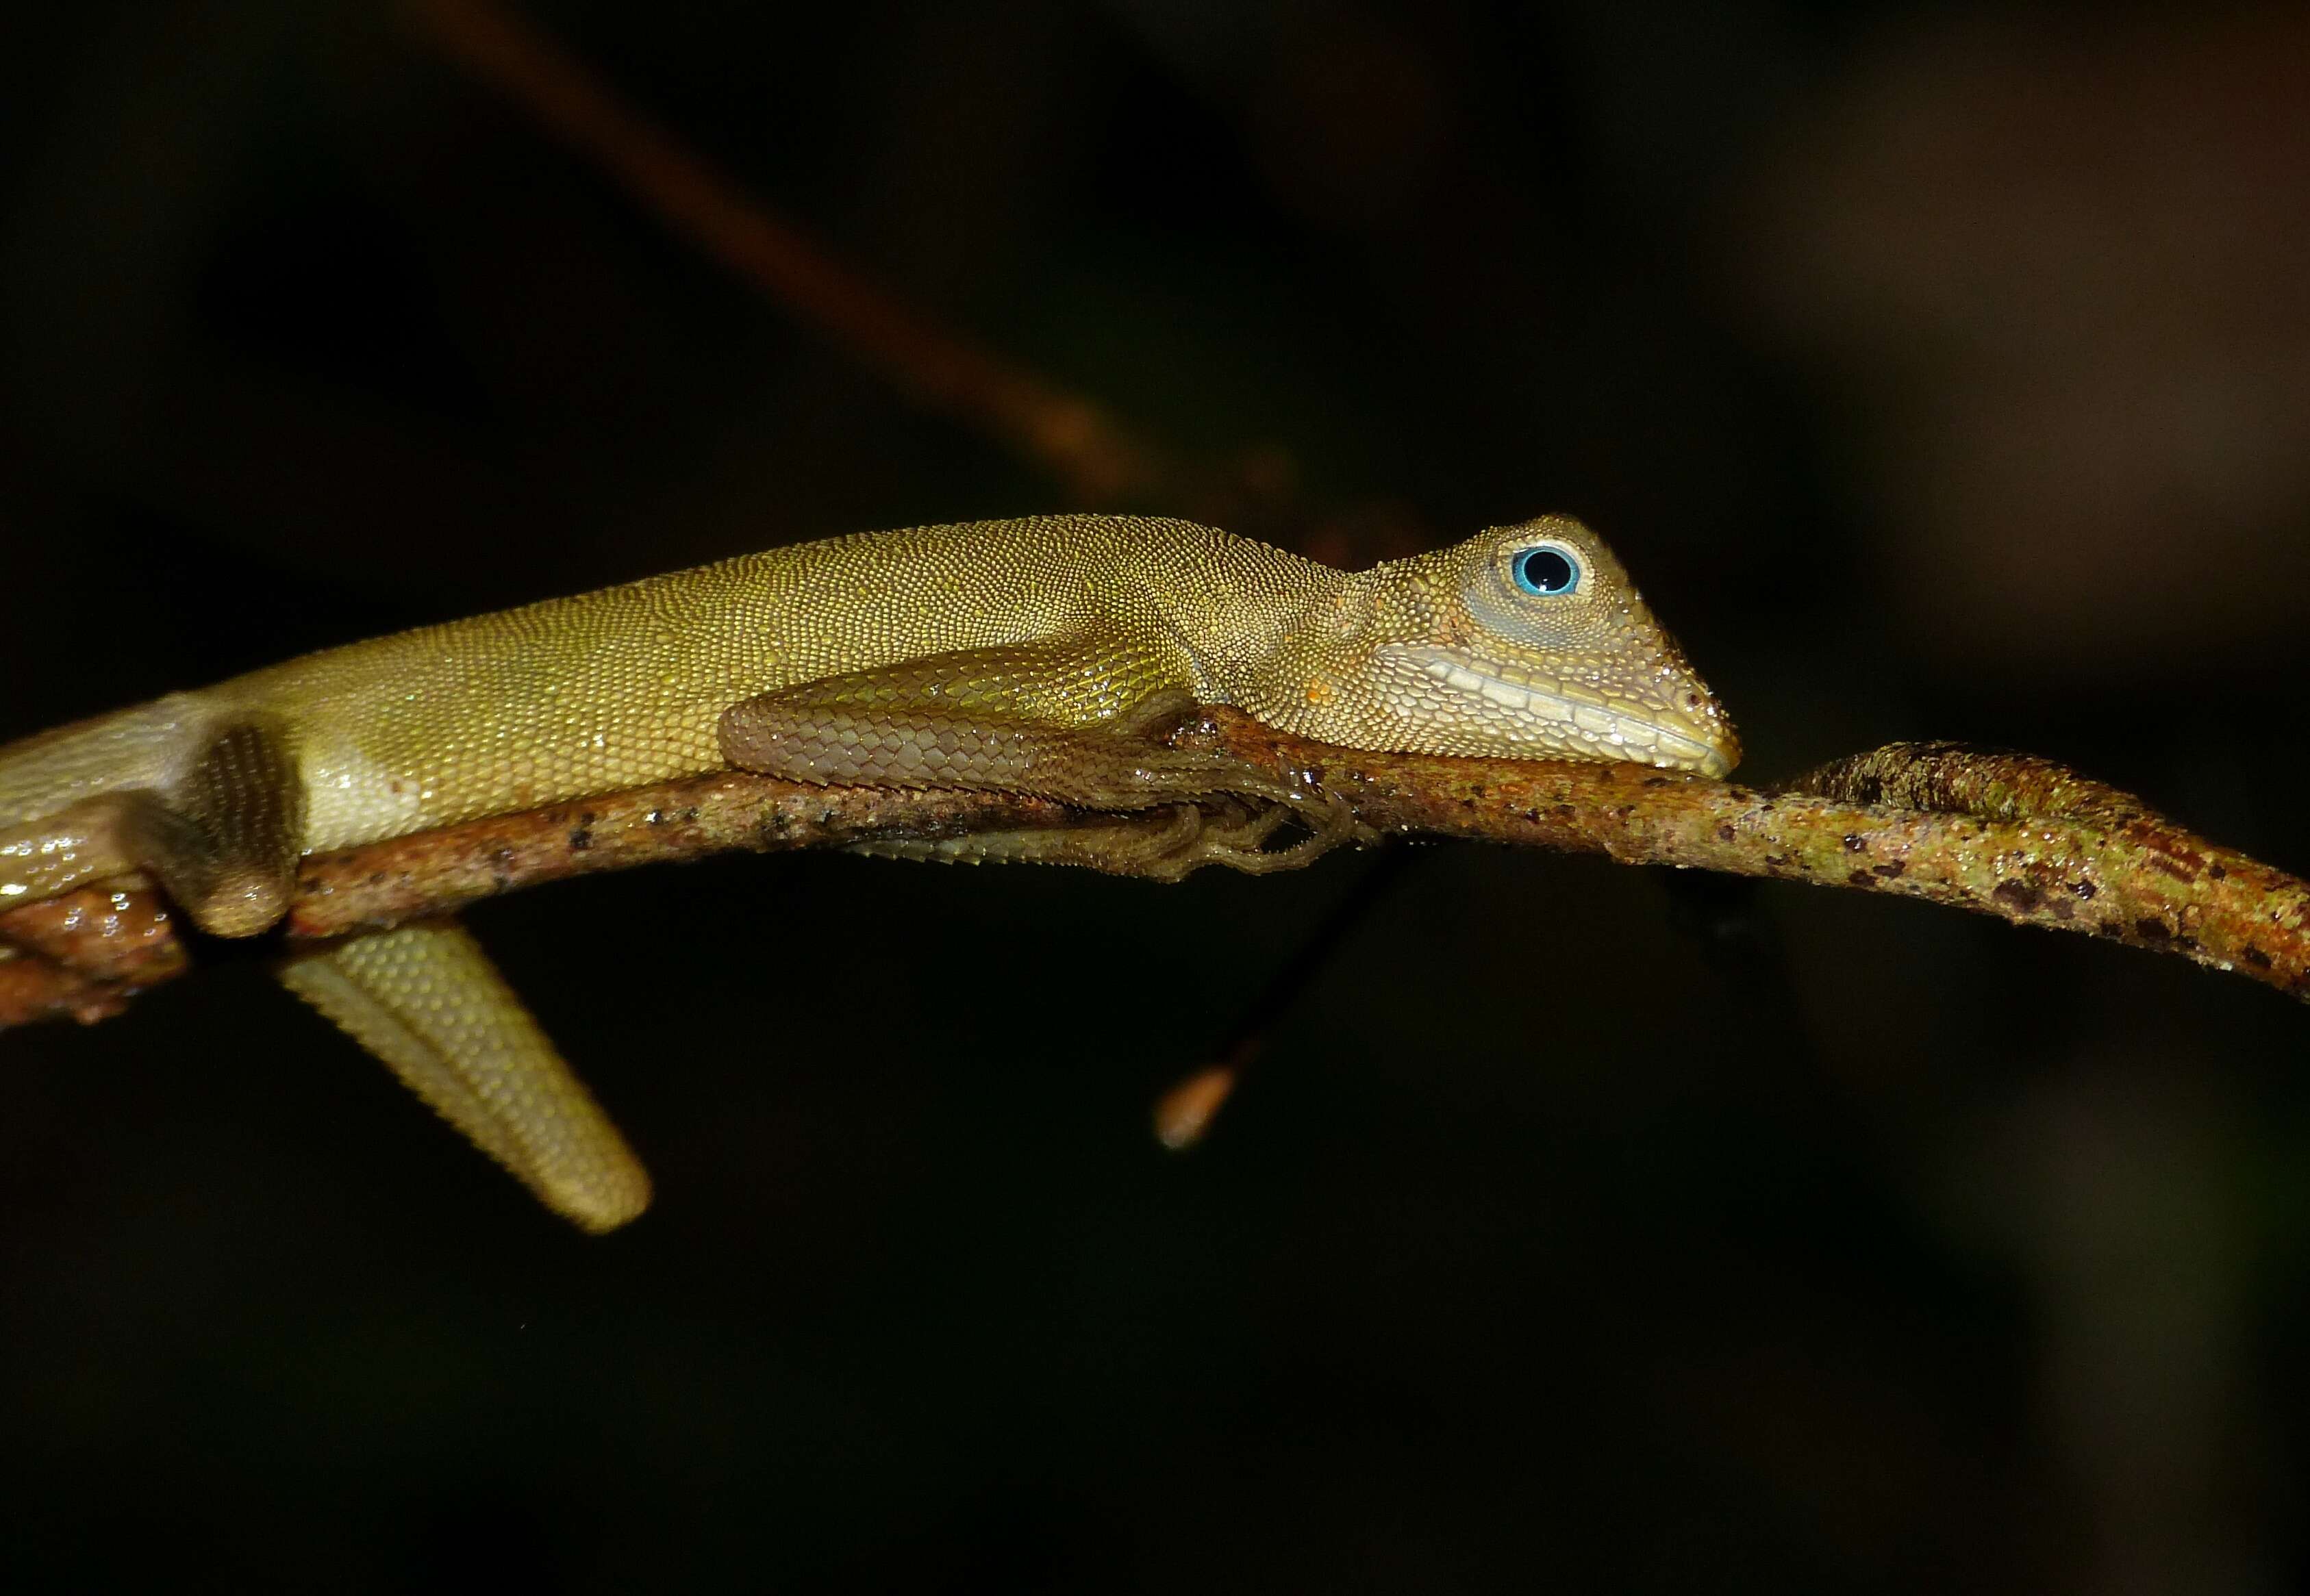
{"x": 224, "y": 839}
{"x": 427, "y": 1000}
{"x": 232, "y": 861}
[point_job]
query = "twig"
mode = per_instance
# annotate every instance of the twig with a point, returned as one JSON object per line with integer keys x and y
{"x": 1186, "y": 1111}
{"x": 2105, "y": 865}
{"x": 1073, "y": 436}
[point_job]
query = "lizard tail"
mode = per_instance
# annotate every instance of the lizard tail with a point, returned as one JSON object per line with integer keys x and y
{"x": 427, "y": 1000}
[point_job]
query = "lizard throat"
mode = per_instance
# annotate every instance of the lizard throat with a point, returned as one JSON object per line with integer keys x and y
{"x": 1567, "y": 719}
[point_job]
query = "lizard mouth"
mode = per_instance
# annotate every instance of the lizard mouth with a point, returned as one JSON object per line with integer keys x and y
{"x": 1577, "y": 719}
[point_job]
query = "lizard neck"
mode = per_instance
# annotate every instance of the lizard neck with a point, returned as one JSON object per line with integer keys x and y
{"x": 1285, "y": 650}
{"x": 1226, "y": 602}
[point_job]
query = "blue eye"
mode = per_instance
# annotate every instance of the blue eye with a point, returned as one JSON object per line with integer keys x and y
{"x": 1548, "y": 573}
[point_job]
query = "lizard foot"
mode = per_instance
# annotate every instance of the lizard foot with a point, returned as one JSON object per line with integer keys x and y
{"x": 1161, "y": 845}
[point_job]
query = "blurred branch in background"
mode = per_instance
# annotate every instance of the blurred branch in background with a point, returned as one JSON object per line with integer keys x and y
{"x": 1076, "y": 439}
{"x": 2006, "y": 835}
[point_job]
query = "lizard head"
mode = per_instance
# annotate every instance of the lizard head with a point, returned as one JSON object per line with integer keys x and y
{"x": 1530, "y": 642}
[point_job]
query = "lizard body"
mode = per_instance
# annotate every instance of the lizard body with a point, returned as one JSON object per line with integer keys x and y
{"x": 1037, "y": 655}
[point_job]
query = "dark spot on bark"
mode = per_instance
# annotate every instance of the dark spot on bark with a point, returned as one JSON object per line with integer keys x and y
{"x": 1725, "y": 833}
{"x": 1892, "y": 869}
{"x": 2062, "y": 909}
{"x": 580, "y": 840}
{"x": 1854, "y": 845}
{"x": 2019, "y": 896}
{"x": 2254, "y": 957}
{"x": 2175, "y": 868}
{"x": 656, "y": 817}
{"x": 2153, "y": 931}
{"x": 2086, "y": 891}
{"x": 1859, "y": 877}
{"x": 2215, "y": 872}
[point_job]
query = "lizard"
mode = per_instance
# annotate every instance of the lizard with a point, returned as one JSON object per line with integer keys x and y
{"x": 1047, "y": 655}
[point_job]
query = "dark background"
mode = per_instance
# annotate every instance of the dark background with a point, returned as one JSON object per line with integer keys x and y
{"x": 1939, "y": 373}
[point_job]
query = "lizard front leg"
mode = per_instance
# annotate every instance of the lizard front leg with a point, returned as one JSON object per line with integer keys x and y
{"x": 1079, "y": 724}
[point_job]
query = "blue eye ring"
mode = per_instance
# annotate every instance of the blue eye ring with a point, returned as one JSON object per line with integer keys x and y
{"x": 1545, "y": 571}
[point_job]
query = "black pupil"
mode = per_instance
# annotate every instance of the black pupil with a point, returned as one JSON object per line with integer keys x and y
{"x": 1547, "y": 570}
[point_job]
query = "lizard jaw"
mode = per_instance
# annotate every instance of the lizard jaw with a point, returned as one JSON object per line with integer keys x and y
{"x": 1570, "y": 719}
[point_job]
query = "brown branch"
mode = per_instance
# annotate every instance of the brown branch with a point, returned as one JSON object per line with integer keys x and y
{"x": 2013, "y": 836}
{"x": 1073, "y": 436}
{"x": 2029, "y": 842}
{"x": 82, "y": 955}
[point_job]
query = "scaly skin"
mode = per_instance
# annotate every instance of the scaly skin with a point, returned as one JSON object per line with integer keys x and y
{"x": 1035, "y": 655}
